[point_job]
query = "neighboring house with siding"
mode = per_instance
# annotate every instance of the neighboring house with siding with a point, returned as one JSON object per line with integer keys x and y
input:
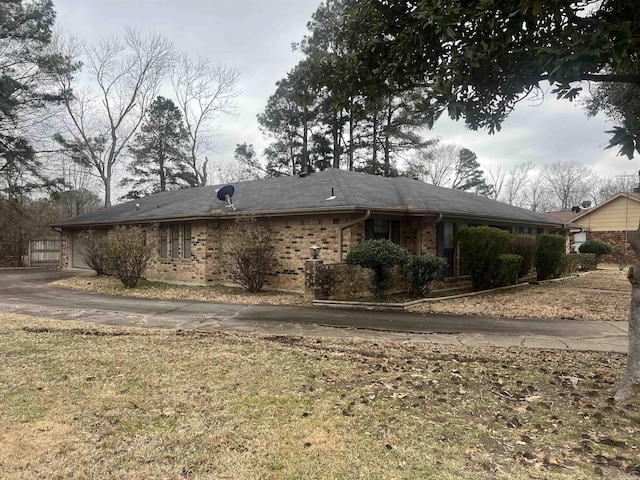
{"x": 613, "y": 221}
{"x": 334, "y": 209}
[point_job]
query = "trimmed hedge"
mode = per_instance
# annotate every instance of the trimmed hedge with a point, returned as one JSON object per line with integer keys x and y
{"x": 549, "y": 256}
{"x": 481, "y": 248}
{"x": 508, "y": 272}
{"x": 525, "y": 246}
{"x": 597, "y": 247}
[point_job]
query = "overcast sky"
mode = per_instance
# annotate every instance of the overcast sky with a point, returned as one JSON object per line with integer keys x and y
{"x": 255, "y": 37}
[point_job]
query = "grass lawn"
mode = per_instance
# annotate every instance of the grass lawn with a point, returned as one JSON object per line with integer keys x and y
{"x": 94, "y": 402}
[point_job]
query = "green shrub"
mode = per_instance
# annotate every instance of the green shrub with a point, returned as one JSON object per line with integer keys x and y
{"x": 597, "y": 246}
{"x": 379, "y": 256}
{"x": 249, "y": 253}
{"x": 481, "y": 248}
{"x": 508, "y": 270}
{"x": 549, "y": 253}
{"x": 586, "y": 261}
{"x": 128, "y": 254}
{"x": 424, "y": 270}
{"x": 525, "y": 246}
{"x": 95, "y": 251}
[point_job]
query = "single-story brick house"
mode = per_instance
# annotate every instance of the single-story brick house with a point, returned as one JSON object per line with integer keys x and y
{"x": 334, "y": 209}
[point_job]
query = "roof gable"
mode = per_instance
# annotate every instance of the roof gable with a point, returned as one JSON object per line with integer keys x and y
{"x": 631, "y": 196}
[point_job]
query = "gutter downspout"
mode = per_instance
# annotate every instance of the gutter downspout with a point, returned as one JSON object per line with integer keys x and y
{"x": 347, "y": 225}
{"x": 425, "y": 223}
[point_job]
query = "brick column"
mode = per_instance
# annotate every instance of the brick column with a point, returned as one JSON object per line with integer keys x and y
{"x": 314, "y": 280}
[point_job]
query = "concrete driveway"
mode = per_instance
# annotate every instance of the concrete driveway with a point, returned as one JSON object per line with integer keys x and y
{"x": 27, "y": 291}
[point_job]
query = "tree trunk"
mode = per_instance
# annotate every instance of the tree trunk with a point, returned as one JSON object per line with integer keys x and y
{"x": 107, "y": 188}
{"x": 630, "y": 383}
{"x": 305, "y": 146}
{"x": 351, "y": 145}
{"x": 387, "y": 156}
{"x": 375, "y": 140}
{"x": 337, "y": 122}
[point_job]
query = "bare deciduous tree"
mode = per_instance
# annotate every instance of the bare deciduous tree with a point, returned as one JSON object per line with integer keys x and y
{"x": 516, "y": 184}
{"x": 204, "y": 91}
{"x": 568, "y": 183}
{"x": 77, "y": 194}
{"x": 435, "y": 164}
{"x": 496, "y": 177}
{"x": 605, "y": 188}
{"x": 122, "y": 76}
{"x": 536, "y": 196}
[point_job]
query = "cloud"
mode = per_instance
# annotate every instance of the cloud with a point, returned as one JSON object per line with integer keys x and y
{"x": 554, "y": 130}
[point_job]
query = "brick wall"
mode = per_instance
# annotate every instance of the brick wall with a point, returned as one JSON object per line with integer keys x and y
{"x": 336, "y": 281}
{"x": 192, "y": 270}
{"x": 293, "y": 237}
{"x": 428, "y": 241}
{"x": 615, "y": 239}
{"x": 65, "y": 239}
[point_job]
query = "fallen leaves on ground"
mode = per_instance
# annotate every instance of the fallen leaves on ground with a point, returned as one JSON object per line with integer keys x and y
{"x": 87, "y": 401}
{"x": 600, "y": 295}
{"x": 145, "y": 289}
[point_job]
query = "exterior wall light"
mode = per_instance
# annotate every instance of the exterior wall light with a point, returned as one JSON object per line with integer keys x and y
{"x": 314, "y": 251}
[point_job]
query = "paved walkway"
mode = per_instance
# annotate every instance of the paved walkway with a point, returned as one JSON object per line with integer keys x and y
{"x": 27, "y": 291}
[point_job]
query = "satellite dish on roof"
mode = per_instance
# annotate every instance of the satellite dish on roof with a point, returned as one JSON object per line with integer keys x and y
{"x": 586, "y": 204}
{"x": 224, "y": 194}
{"x": 575, "y": 209}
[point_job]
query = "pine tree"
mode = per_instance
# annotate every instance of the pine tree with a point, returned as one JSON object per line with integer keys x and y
{"x": 158, "y": 151}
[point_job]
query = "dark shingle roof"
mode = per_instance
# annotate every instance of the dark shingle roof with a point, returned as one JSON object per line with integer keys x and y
{"x": 562, "y": 216}
{"x": 313, "y": 193}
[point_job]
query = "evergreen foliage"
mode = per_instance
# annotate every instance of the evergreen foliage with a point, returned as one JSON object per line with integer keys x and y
{"x": 481, "y": 248}
{"x": 525, "y": 246}
{"x": 158, "y": 151}
{"x": 596, "y": 246}
{"x": 508, "y": 272}
{"x": 549, "y": 254}
{"x": 380, "y": 256}
{"x": 26, "y": 88}
{"x": 425, "y": 269}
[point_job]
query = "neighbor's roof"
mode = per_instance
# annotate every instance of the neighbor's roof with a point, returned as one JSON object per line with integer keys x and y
{"x": 563, "y": 216}
{"x": 322, "y": 192}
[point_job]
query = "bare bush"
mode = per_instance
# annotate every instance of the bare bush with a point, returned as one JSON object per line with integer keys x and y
{"x": 95, "y": 252}
{"x": 128, "y": 254}
{"x": 249, "y": 253}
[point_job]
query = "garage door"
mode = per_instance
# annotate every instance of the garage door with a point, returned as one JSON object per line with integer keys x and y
{"x": 77, "y": 250}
